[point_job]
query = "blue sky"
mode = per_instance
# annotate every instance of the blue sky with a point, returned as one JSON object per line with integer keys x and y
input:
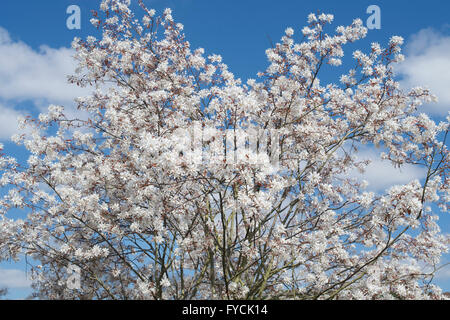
{"x": 34, "y": 42}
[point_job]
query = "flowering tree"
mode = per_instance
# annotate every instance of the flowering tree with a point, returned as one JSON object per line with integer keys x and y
{"x": 184, "y": 183}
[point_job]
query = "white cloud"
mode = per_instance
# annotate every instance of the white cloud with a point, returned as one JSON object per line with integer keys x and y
{"x": 427, "y": 64}
{"x": 35, "y": 75}
{"x": 39, "y": 76}
{"x": 8, "y": 122}
{"x": 381, "y": 174}
{"x": 13, "y": 278}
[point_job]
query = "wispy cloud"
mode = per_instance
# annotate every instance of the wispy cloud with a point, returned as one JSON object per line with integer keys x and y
{"x": 427, "y": 64}
{"x": 444, "y": 273}
{"x": 8, "y": 122}
{"x": 13, "y": 279}
{"x": 381, "y": 174}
